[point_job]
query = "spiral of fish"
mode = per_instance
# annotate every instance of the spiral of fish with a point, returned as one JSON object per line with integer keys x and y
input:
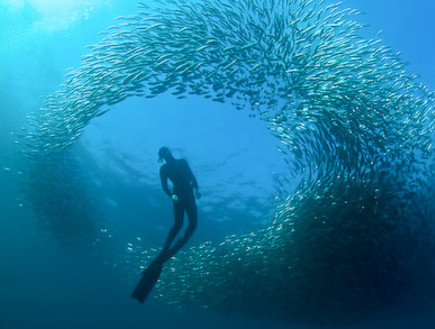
{"x": 353, "y": 124}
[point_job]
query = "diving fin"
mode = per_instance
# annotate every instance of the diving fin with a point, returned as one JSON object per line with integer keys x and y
{"x": 149, "y": 278}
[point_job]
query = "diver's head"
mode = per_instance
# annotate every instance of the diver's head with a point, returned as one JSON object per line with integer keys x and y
{"x": 165, "y": 154}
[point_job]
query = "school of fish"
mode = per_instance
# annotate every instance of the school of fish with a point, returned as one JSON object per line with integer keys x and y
{"x": 355, "y": 127}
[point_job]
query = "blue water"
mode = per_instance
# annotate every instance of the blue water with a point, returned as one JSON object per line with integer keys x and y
{"x": 49, "y": 281}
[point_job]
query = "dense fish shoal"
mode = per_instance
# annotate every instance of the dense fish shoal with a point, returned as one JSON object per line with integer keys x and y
{"x": 356, "y": 129}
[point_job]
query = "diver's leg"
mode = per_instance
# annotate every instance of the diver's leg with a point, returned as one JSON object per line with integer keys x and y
{"x": 178, "y": 224}
{"x": 192, "y": 214}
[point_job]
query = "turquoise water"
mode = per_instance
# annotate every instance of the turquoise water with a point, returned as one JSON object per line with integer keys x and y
{"x": 317, "y": 191}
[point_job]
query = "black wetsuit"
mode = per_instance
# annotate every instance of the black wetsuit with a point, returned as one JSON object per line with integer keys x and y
{"x": 183, "y": 180}
{"x": 178, "y": 171}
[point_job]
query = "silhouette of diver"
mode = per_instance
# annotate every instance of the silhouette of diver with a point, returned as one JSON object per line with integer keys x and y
{"x": 184, "y": 184}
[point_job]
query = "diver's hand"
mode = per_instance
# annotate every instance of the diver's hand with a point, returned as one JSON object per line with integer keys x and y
{"x": 197, "y": 194}
{"x": 174, "y": 197}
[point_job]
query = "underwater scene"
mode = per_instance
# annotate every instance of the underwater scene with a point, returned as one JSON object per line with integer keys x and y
{"x": 217, "y": 164}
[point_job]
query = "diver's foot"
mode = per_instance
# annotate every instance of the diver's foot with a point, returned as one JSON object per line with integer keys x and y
{"x": 156, "y": 264}
{"x": 162, "y": 257}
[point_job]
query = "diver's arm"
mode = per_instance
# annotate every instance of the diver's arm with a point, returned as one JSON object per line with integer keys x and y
{"x": 194, "y": 182}
{"x": 164, "y": 180}
{"x": 191, "y": 176}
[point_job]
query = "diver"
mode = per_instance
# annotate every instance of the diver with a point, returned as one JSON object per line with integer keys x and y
{"x": 183, "y": 199}
{"x": 184, "y": 183}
